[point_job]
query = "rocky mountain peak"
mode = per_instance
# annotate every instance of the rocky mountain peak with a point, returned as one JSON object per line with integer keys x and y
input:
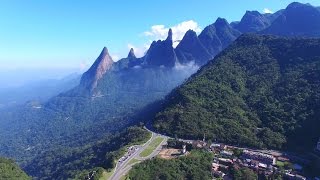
{"x": 221, "y": 22}
{"x": 296, "y": 20}
{"x": 190, "y": 33}
{"x": 252, "y": 13}
{"x": 102, "y": 64}
{"x": 131, "y": 54}
{"x": 169, "y": 35}
{"x": 161, "y": 53}
{"x": 296, "y": 5}
{"x": 191, "y": 49}
{"x": 253, "y": 21}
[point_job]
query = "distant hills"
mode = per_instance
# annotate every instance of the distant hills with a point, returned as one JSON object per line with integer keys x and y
{"x": 233, "y": 96}
{"x": 40, "y": 91}
{"x": 296, "y": 20}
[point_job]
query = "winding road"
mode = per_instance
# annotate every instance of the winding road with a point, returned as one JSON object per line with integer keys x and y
{"x": 122, "y": 168}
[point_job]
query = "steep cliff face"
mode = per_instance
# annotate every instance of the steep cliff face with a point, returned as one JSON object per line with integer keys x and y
{"x": 253, "y": 21}
{"x": 191, "y": 49}
{"x": 217, "y": 36}
{"x": 161, "y": 53}
{"x": 102, "y": 64}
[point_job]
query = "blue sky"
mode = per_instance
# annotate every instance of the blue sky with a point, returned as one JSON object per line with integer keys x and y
{"x": 69, "y": 35}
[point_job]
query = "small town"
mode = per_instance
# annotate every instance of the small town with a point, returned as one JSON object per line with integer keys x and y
{"x": 264, "y": 162}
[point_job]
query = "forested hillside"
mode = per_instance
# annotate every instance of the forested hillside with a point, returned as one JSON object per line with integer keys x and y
{"x": 11, "y": 171}
{"x": 197, "y": 165}
{"x": 262, "y": 91}
{"x": 77, "y": 162}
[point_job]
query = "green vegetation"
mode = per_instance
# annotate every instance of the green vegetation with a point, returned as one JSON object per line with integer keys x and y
{"x": 243, "y": 174}
{"x": 11, "y": 171}
{"x": 133, "y": 161}
{"x": 106, "y": 174}
{"x": 197, "y": 165}
{"x": 284, "y": 165}
{"x": 262, "y": 91}
{"x": 280, "y": 164}
{"x": 151, "y": 147}
{"x": 77, "y": 119}
{"x": 78, "y": 162}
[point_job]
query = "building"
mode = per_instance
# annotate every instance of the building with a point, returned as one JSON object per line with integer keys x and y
{"x": 261, "y": 157}
{"x": 216, "y": 146}
{"x": 294, "y": 176}
{"x": 318, "y": 145}
{"x": 226, "y": 153}
{"x": 218, "y": 174}
{"x": 226, "y": 162}
{"x": 184, "y": 149}
{"x": 199, "y": 144}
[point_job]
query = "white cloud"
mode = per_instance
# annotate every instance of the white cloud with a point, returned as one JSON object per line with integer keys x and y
{"x": 157, "y": 32}
{"x": 115, "y": 57}
{"x": 161, "y": 31}
{"x": 191, "y": 66}
{"x": 83, "y": 66}
{"x": 267, "y": 11}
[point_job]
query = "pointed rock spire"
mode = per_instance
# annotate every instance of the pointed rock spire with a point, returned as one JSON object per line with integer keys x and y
{"x": 102, "y": 64}
{"x": 161, "y": 53}
{"x": 131, "y": 54}
{"x": 169, "y": 35}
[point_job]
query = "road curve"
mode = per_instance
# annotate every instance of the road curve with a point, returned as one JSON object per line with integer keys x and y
{"x": 123, "y": 168}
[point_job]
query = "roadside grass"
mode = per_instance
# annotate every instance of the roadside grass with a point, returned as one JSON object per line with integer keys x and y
{"x": 152, "y": 146}
{"x": 106, "y": 175}
{"x": 133, "y": 161}
{"x": 124, "y": 178}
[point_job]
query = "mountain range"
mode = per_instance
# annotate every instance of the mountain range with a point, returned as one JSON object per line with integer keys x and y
{"x": 262, "y": 91}
{"x": 113, "y": 95}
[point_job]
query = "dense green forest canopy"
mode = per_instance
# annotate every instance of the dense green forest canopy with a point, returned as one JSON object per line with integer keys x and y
{"x": 9, "y": 170}
{"x": 262, "y": 91}
{"x": 77, "y": 162}
{"x": 75, "y": 118}
{"x": 197, "y": 165}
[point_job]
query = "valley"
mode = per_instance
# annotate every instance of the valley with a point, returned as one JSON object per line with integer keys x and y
{"x": 250, "y": 89}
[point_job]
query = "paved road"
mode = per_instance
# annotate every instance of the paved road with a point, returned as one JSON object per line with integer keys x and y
{"x": 123, "y": 168}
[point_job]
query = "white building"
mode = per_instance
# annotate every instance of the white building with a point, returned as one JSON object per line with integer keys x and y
{"x": 184, "y": 149}
{"x": 263, "y": 158}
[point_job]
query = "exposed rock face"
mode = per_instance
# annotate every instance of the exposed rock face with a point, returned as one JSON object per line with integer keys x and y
{"x": 161, "y": 53}
{"x": 102, "y": 64}
{"x": 191, "y": 49}
{"x": 218, "y": 36}
{"x": 131, "y": 54}
{"x": 296, "y": 20}
{"x": 253, "y": 21}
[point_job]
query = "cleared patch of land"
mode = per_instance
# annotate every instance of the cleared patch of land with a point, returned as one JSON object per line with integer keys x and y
{"x": 152, "y": 146}
{"x": 169, "y": 153}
